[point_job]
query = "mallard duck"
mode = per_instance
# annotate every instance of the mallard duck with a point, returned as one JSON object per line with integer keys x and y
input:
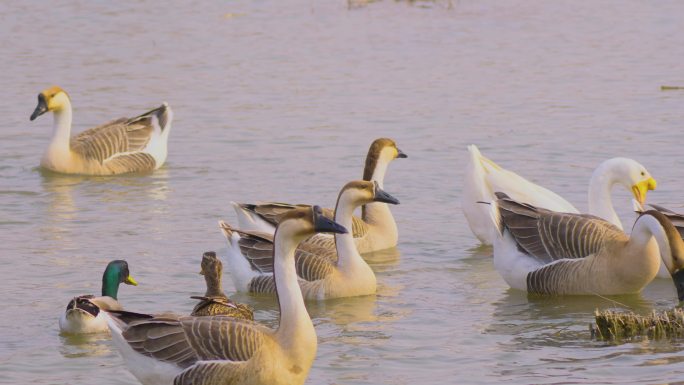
{"x": 120, "y": 146}
{"x": 224, "y": 350}
{"x": 323, "y": 274}
{"x": 547, "y": 252}
{"x": 215, "y": 301}
{"x": 374, "y": 230}
{"x": 484, "y": 177}
{"x": 83, "y": 313}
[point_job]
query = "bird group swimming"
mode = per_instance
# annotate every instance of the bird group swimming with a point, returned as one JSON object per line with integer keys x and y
{"x": 541, "y": 244}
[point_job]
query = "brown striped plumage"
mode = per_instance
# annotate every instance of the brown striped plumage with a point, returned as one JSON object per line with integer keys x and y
{"x": 183, "y": 341}
{"x": 117, "y": 145}
{"x": 273, "y": 211}
{"x": 121, "y": 146}
{"x": 581, "y": 254}
{"x": 550, "y": 236}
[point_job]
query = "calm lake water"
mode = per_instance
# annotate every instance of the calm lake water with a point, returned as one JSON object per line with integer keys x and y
{"x": 279, "y": 101}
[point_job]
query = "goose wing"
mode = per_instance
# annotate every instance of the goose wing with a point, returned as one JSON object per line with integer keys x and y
{"x": 312, "y": 262}
{"x": 183, "y": 341}
{"x": 119, "y": 137}
{"x": 272, "y": 211}
{"x": 551, "y": 236}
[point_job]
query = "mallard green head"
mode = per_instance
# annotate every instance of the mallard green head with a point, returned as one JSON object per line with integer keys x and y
{"x": 115, "y": 274}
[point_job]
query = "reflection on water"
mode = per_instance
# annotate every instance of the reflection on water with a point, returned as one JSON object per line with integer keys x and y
{"x": 77, "y": 346}
{"x": 281, "y": 103}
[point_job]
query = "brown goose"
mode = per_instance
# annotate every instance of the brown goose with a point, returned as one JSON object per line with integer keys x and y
{"x": 186, "y": 350}
{"x": 323, "y": 273}
{"x": 120, "y": 146}
{"x": 548, "y": 252}
{"x": 374, "y": 230}
{"x": 215, "y": 301}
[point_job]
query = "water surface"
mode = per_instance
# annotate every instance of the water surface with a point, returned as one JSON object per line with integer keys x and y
{"x": 279, "y": 101}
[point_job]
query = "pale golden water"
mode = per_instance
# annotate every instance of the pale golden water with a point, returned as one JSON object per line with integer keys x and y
{"x": 279, "y": 100}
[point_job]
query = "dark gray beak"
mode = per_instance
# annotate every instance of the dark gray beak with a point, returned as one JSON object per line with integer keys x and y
{"x": 400, "y": 154}
{"x": 41, "y": 108}
{"x": 384, "y": 197}
{"x": 678, "y": 278}
{"x": 323, "y": 224}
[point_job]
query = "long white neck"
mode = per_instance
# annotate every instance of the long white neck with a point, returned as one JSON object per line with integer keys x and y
{"x": 600, "y": 202}
{"x": 295, "y": 324}
{"x": 378, "y": 213}
{"x": 347, "y": 255}
{"x": 647, "y": 228}
{"x": 61, "y": 131}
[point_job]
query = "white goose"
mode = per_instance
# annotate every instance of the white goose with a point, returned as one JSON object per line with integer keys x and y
{"x": 120, "y": 146}
{"x": 484, "y": 177}
{"x": 84, "y": 314}
{"x": 186, "y": 350}
{"x": 547, "y": 252}
{"x": 374, "y": 230}
{"x": 323, "y": 273}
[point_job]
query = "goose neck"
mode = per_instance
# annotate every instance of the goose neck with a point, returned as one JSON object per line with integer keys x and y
{"x": 347, "y": 254}
{"x": 294, "y": 319}
{"x": 600, "y": 201}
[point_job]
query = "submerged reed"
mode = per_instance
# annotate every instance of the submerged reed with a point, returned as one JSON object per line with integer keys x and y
{"x": 613, "y": 325}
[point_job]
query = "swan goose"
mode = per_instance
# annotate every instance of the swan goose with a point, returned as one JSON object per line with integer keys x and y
{"x": 323, "y": 273}
{"x": 187, "y": 350}
{"x": 374, "y": 230}
{"x": 547, "y": 252}
{"x": 215, "y": 301}
{"x": 83, "y": 314}
{"x": 120, "y": 146}
{"x": 484, "y": 177}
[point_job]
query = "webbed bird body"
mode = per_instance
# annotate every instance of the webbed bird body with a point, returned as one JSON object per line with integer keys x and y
{"x": 484, "y": 177}
{"x": 323, "y": 272}
{"x": 215, "y": 301}
{"x": 546, "y": 252}
{"x": 374, "y": 230}
{"x": 184, "y": 350}
{"x": 86, "y": 313}
{"x": 125, "y": 145}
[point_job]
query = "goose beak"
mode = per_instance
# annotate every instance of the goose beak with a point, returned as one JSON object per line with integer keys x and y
{"x": 401, "y": 154}
{"x": 322, "y": 224}
{"x": 678, "y": 279}
{"x": 130, "y": 281}
{"x": 384, "y": 197}
{"x": 640, "y": 189}
{"x": 41, "y": 108}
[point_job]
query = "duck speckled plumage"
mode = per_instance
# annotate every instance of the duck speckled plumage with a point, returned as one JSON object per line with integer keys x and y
{"x": 215, "y": 301}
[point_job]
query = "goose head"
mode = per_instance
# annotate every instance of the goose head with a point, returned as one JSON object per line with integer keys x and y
{"x": 304, "y": 222}
{"x": 116, "y": 273}
{"x": 361, "y": 192}
{"x": 632, "y": 175}
{"x": 51, "y": 99}
{"x": 671, "y": 247}
{"x": 381, "y": 152}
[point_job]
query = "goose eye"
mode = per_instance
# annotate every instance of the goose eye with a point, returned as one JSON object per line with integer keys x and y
{"x": 643, "y": 173}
